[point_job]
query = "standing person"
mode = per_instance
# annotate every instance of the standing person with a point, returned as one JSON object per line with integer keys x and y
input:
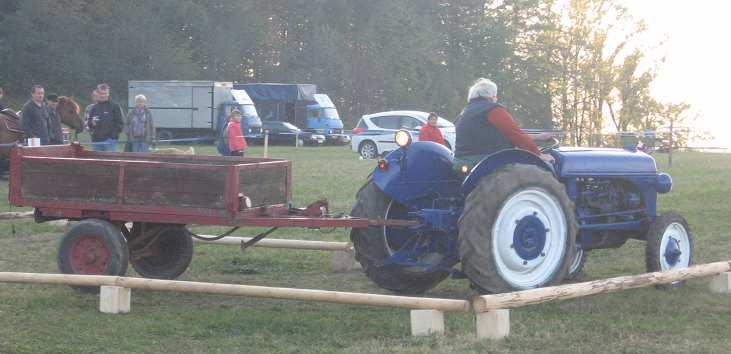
{"x": 55, "y": 134}
{"x": 485, "y": 127}
{"x": 140, "y": 129}
{"x": 236, "y": 142}
{"x": 2, "y": 93}
{"x": 94, "y": 96}
{"x": 430, "y": 132}
{"x": 106, "y": 121}
{"x": 34, "y": 117}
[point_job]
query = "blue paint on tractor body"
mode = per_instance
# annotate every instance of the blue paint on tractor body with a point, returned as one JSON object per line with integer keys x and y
{"x": 529, "y": 237}
{"x": 614, "y": 192}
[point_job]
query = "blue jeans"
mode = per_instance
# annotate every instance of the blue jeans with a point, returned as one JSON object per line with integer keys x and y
{"x": 106, "y": 145}
{"x": 140, "y": 146}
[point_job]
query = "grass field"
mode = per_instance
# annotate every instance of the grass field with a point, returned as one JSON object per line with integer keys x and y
{"x": 56, "y": 319}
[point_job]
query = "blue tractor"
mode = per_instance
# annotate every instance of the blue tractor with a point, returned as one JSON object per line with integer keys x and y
{"x": 512, "y": 220}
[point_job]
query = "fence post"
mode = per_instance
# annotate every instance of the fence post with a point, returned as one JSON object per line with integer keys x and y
{"x": 266, "y": 143}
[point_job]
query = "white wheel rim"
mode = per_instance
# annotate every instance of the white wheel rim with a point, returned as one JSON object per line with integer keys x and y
{"x": 368, "y": 151}
{"x": 389, "y": 250}
{"x": 516, "y": 271}
{"x": 577, "y": 261}
{"x": 675, "y": 232}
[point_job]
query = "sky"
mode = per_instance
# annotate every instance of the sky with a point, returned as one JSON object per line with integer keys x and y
{"x": 697, "y": 51}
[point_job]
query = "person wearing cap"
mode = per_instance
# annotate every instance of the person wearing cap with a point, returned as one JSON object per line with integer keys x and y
{"x": 485, "y": 127}
{"x": 140, "y": 129}
{"x": 236, "y": 142}
{"x": 105, "y": 121}
{"x": 34, "y": 116}
{"x": 430, "y": 132}
{"x": 55, "y": 133}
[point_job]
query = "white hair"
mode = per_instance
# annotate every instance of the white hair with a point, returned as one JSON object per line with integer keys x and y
{"x": 482, "y": 88}
{"x": 140, "y": 98}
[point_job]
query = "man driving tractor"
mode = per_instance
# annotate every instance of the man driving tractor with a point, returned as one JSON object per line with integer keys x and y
{"x": 485, "y": 127}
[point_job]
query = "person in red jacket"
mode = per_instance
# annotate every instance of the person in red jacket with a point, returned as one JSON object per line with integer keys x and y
{"x": 430, "y": 132}
{"x": 236, "y": 142}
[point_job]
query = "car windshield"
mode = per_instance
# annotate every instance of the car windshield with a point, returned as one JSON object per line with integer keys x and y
{"x": 331, "y": 113}
{"x": 290, "y": 126}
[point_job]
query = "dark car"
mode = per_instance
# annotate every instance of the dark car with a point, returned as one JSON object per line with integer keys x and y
{"x": 284, "y": 133}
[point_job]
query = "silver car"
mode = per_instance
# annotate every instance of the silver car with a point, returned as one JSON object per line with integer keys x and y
{"x": 373, "y": 136}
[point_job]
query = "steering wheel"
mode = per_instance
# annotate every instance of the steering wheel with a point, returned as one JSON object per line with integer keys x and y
{"x": 554, "y": 143}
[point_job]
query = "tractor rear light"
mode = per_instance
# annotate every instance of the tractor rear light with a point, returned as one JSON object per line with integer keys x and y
{"x": 383, "y": 165}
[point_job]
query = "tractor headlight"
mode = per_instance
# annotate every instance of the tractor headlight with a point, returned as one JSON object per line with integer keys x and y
{"x": 663, "y": 183}
{"x": 403, "y": 138}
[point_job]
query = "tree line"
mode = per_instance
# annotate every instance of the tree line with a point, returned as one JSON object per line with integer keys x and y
{"x": 573, "y": 65}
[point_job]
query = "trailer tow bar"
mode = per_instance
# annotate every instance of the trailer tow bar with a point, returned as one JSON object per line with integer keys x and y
{"x": 257, "y": 238}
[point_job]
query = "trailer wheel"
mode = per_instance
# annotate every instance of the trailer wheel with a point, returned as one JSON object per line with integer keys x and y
{"x": 167, "y": 253}
{"x": 165, "y": 135}
{"x": 95, "y": 247}
{"x": 669, "y": 245}
{"x": 373, "y": 245}
{"x": 517, "y": 231}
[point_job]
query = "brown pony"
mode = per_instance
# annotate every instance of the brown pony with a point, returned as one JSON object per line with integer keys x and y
{"x": 70, "y": 113}
{"x": 10, "y": 131}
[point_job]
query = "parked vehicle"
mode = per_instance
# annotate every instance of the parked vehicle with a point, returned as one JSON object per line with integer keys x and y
{"x": 373, "y": 136}
{"x": 187, "y": 109}
{"x": 513, "y": 221}
{"x": 284, "y": 133}
{"x": 299, "y": 104}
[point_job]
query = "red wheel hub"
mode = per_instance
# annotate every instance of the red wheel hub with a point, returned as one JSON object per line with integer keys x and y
{"x": 89, "y": 255}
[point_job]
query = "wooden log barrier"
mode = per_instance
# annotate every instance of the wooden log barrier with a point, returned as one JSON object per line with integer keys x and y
{"x": 282, "y": 243}
{"x": 11, "y": 215}
{"x": 486, "y": 303}
{"x": 241, "y": 290}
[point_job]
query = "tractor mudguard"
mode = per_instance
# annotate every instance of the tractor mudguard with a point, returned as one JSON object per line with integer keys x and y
{"x": 499, "y": 159}
{"x": 417, "y": 175}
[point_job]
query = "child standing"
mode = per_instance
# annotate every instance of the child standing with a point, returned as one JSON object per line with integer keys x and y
{"x": 236, "y": 142}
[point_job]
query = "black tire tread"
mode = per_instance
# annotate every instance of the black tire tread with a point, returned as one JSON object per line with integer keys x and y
{"x": 370, "y": 247}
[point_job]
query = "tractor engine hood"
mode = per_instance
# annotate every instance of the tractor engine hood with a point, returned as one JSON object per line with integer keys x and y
{"x": 596, "y": 162}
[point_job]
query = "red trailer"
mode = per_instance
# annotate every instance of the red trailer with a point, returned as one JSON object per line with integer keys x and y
{"x": 159, "y": 195}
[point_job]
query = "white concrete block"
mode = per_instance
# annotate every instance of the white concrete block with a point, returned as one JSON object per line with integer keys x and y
{"x": 427, "y": 322}
{"x": 114, "y": 299}
{"x": 493, "y": 324}
{"x": 343, "y": 261}
{"x": 721, "y": 283}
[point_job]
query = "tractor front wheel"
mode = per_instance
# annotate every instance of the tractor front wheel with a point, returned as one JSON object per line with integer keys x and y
{"x": 517, "y": 231}
{"x": 669, "y": 245}
{"x": 94, "y": 247}
{"x": 375, "y": 245}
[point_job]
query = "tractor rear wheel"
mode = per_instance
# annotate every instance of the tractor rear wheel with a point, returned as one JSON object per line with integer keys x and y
{"x": 94, "y": 247}
{"x": 374, "y": 245}
{"x": 517, "y": 231}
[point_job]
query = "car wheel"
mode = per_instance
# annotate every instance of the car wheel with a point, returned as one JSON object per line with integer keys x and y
{"x": 368, "y": 150}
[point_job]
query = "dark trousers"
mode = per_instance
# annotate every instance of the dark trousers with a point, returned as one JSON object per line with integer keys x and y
{"x": 237, "y": 153}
